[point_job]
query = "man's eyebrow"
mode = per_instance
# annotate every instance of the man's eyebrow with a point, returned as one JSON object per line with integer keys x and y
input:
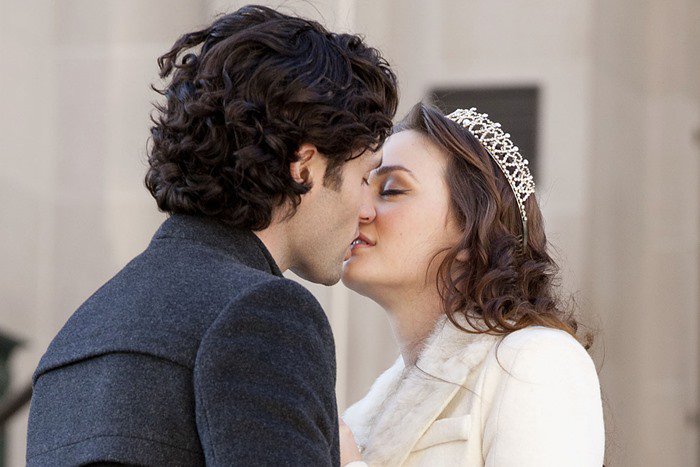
{"x": 392, "y": 168}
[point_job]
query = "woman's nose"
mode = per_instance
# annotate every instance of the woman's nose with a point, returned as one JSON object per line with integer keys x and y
{"x": 367, "y": 211}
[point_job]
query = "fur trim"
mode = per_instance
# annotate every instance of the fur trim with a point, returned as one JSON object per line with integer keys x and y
{"x": 403, "y": 402}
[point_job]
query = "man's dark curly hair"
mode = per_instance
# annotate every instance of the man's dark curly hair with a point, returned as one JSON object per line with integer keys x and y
{"x": 261, "y": 84}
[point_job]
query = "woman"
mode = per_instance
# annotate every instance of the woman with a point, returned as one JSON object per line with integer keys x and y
{"x": 490, "y": 372}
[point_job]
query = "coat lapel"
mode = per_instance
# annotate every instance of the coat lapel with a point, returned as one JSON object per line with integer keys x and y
{"x": 403, "y": 402}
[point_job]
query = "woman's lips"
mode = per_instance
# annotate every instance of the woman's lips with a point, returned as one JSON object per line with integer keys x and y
{"x": 359, "y": 245}
{"x": 361, "y": 242}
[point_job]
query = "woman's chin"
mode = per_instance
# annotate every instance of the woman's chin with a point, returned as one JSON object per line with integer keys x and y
{"x": 366, "y": 283}
{"x": 349, "y": 277}
{"x": 354, "y": 277}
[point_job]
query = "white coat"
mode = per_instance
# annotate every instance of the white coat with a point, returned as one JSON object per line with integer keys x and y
{"x": 532, "y": 400}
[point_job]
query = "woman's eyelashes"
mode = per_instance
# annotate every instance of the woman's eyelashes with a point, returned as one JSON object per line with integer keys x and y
{"x": 388, "y": 187}
{"x": 391, "y": 192}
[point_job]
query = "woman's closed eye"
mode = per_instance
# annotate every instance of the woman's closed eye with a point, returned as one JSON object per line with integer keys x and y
{"x": 392, "y": 192}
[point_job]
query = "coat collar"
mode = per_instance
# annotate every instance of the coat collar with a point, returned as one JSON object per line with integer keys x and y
{"x": 403, "y": 402}
{"x": 242, "y": 244}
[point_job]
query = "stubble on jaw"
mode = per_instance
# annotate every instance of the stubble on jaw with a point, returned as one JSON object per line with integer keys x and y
{"x": 332, "y": 269}
{"x": 321, "y": 262}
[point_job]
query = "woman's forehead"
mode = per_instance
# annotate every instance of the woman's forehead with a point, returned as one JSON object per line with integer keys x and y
{"x": 414, "y": 151}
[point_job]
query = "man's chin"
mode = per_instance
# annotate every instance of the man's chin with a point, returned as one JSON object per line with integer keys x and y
{"x": 327, "y": 278}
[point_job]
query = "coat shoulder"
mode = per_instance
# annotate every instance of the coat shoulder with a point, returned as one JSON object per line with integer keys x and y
{"x": 542, "y": 354}
{"x": 280, "y": 305}
{"x": 538, "y": 383}
{"x": 541, "y": 339}
{"x": 161, "y": 304}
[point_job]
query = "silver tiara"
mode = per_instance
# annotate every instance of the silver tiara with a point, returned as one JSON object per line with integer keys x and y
{"x": 507, "y": 156}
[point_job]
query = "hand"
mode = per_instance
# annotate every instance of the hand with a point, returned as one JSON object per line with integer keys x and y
{"x": 349, "y": 452}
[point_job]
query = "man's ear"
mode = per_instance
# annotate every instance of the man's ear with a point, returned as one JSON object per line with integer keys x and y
{"x": 304, "y": 169}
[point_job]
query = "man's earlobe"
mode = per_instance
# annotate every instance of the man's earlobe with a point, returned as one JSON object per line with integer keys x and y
{"x": 299, "y": 169}
{"x": 298, "y": 172}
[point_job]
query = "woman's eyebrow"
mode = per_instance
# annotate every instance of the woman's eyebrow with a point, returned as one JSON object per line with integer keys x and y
{"x": 392, "y": 168}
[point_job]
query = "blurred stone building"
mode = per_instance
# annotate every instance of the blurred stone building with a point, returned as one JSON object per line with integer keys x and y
{"x": 614, "y": 122}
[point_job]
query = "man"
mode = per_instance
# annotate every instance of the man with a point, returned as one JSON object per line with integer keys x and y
{"x": 199, "y": 351}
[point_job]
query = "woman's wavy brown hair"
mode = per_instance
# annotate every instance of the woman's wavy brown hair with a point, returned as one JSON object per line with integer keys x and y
{"x": 255, "y": 86}
{"x": 487, "y": 277}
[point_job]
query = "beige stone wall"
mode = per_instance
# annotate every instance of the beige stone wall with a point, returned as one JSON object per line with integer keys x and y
{"x": 75, "y": 106}
{"x": 619, "y": 173}
{"x": 643, "y": 236}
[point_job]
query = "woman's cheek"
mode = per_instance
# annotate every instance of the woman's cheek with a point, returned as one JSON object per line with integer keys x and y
{"x": 407, "y": 236}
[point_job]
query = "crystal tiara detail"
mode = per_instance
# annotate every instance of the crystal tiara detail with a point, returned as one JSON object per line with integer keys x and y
{"x": 498, "y": 144}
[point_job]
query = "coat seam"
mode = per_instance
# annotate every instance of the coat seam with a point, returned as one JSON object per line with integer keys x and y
{"x": 111, "y": 436}
{"x": 197, "y": 386}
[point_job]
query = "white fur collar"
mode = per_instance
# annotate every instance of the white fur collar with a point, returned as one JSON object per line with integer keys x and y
{"x": 403, "y": 402}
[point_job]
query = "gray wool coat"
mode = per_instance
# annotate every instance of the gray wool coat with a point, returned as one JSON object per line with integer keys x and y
{"x": 197, "y": 352}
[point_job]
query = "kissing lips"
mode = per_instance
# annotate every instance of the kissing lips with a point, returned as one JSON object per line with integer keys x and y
{"x": 362, "y": 242}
